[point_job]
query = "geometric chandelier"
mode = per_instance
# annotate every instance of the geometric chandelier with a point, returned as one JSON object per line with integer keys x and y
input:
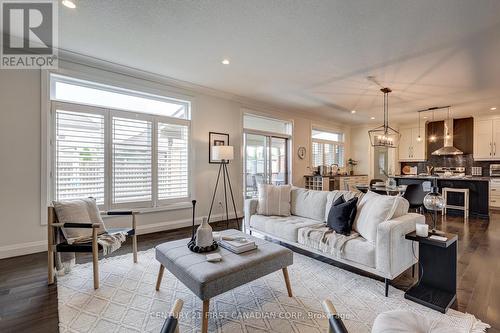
{"x": 384, "y": 135}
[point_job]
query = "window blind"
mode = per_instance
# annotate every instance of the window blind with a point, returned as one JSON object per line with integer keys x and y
{"x": 172, "y": 161}
{"x": 132, "y": 170}
{"x": 79, "y": 155}
{"x": 317, "y": 154}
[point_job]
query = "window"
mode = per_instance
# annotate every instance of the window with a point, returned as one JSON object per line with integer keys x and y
{"x": 121, "y": 158}
{"x": 79, "y": 168}
{"x": 276, "y": 126}
{"x": 89, "y": 93}
{"x": 132, "y": 156}
{"x": 327, "y": 148}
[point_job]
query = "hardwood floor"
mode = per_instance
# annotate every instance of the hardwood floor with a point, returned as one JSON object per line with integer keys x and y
{"x": 28, "y": 304}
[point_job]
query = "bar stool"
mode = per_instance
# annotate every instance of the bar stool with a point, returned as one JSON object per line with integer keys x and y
{"x": 465, "y": 207}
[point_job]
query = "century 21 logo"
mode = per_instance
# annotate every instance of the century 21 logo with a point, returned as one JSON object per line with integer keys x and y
{"x": 27, "y": 27}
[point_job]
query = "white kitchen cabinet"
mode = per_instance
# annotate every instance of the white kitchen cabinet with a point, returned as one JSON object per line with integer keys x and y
{"x": 487, "y": 139}
{"x": 495, "y": 193}
{"x": 410, "y": 149}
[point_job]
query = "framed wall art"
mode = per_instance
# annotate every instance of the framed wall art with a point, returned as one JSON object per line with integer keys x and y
{"x": 216, "y": 139}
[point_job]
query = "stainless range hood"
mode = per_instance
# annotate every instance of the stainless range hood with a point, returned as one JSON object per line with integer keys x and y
{"x": 448, "y": 148}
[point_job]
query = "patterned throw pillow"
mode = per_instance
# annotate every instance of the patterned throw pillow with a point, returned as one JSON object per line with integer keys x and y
{"x": 274, "y": 200}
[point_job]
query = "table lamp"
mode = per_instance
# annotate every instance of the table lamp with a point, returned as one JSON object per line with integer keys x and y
{"x": 434, "y": 202}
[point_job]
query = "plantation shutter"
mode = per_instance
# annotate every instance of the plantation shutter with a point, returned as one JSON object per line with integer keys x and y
{"x": 79, "y": 155}
{"x": 172, "y": 161}
{"x": 132, "y": 158}
{"x": 329, "y": 154}
{"x": 317, "y": 154}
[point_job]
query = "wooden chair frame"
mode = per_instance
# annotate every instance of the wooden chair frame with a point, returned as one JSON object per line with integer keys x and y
{"x": 52, "y": 228}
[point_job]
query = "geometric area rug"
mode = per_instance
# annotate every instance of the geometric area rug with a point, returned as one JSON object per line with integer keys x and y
{"x": 128, "y": 302}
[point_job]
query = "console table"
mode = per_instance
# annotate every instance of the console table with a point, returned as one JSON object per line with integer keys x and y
{"x": 438, "y": 284}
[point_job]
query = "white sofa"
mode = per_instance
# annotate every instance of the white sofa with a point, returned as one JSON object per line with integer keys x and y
{"x": 387, "y": 254}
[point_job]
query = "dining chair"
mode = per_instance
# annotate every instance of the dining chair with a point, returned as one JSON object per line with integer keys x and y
{"x": 415, "y": 194}
{"x": 375, "y": 180}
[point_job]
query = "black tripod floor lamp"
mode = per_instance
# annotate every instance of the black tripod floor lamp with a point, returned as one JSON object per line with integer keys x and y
{"x": 224, "y": 154}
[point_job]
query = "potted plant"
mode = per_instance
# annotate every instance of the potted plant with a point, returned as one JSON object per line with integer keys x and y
{"x": 352, "y": 163}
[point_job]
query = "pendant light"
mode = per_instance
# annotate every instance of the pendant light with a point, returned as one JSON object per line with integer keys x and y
{"x": 447, "y": 128}
{"x": 384, "y": 136}
{"x": 432, "y": 137}
{"x": 418, "y": 137}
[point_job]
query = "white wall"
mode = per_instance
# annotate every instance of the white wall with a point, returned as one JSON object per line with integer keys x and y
{"x": 20, "y": 142}
{"x": 362, "y": 151}
{"x": 20, "y": 161}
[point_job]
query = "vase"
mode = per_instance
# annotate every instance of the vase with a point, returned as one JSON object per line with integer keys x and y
{"x": 391, "y": 183}
{"x": 204, "y": 235}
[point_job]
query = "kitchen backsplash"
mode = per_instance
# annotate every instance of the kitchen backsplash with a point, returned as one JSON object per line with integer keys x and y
{"x": 465, "y": 160}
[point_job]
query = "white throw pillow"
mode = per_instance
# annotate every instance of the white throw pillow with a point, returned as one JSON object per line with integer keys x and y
{"x": 374, "y": 209}
{"x": 274, "y": 200}
{"x": 78, "y": 211}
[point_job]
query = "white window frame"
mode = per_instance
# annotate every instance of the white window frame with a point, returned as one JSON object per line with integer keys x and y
{"x": 47, "y": 141}
{"x": 322, "y": 141}
{"x": 108, "y": 146}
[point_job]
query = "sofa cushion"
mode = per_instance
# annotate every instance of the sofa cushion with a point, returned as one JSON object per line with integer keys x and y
{"x": 353, "y": 248}
{"x": 309, "y": 203}
{"x": 282, "y": 227}
{"x": 334, "y": 195}
{"x": 360, "y": 251}
{"x": 374, "y": 209}
{"x": 274, "y": 200}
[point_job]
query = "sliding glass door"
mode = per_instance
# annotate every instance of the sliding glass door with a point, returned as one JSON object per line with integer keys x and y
{"x": 266, "y": 161}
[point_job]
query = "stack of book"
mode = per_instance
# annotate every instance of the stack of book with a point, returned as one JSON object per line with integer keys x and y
{"x": 237, "y": 245}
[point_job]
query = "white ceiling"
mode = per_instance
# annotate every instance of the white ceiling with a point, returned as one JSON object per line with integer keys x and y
{"x": 313, "y": 55}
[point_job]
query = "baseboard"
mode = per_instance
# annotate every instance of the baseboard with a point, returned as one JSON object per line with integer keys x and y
{"x": 162, "y": 226}
{"x": 21, "y": 249}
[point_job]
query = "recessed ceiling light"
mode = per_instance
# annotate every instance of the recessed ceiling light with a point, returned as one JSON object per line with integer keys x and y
{"x": 225, "y": 61}
{"x": 493, "y": 108}
{"x": 353, "y": 111}
{"x": 69, "y": 3}
{"x": 372, "y": 118}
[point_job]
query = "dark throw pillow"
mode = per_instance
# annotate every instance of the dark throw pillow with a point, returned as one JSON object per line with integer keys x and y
{"x": 342, "y": 214}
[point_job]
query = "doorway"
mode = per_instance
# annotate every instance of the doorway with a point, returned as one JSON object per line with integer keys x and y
{"x": 381, "y": 162}
{"x": 266, "y": 161}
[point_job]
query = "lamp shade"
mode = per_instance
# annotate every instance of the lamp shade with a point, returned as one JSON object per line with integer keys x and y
{"x": 433, "y": 201}
{"x": 222, "y": 153}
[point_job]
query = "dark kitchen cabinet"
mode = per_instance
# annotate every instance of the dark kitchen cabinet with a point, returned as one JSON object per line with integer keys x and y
{"x": 434, "y": 129}
{"x": 463, "y": 133}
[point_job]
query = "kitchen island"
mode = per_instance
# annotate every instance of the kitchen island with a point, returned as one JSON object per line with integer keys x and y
{"x": 478, "y": 191}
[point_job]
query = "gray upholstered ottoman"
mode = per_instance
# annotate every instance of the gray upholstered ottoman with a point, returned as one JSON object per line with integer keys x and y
{"x": 208, "y": 279}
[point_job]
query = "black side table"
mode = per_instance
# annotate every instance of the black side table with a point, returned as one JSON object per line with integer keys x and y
{"x": 438, "y": 285}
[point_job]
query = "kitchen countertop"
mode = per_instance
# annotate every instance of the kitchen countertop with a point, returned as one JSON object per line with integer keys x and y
{"x": 472, "y": 178}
